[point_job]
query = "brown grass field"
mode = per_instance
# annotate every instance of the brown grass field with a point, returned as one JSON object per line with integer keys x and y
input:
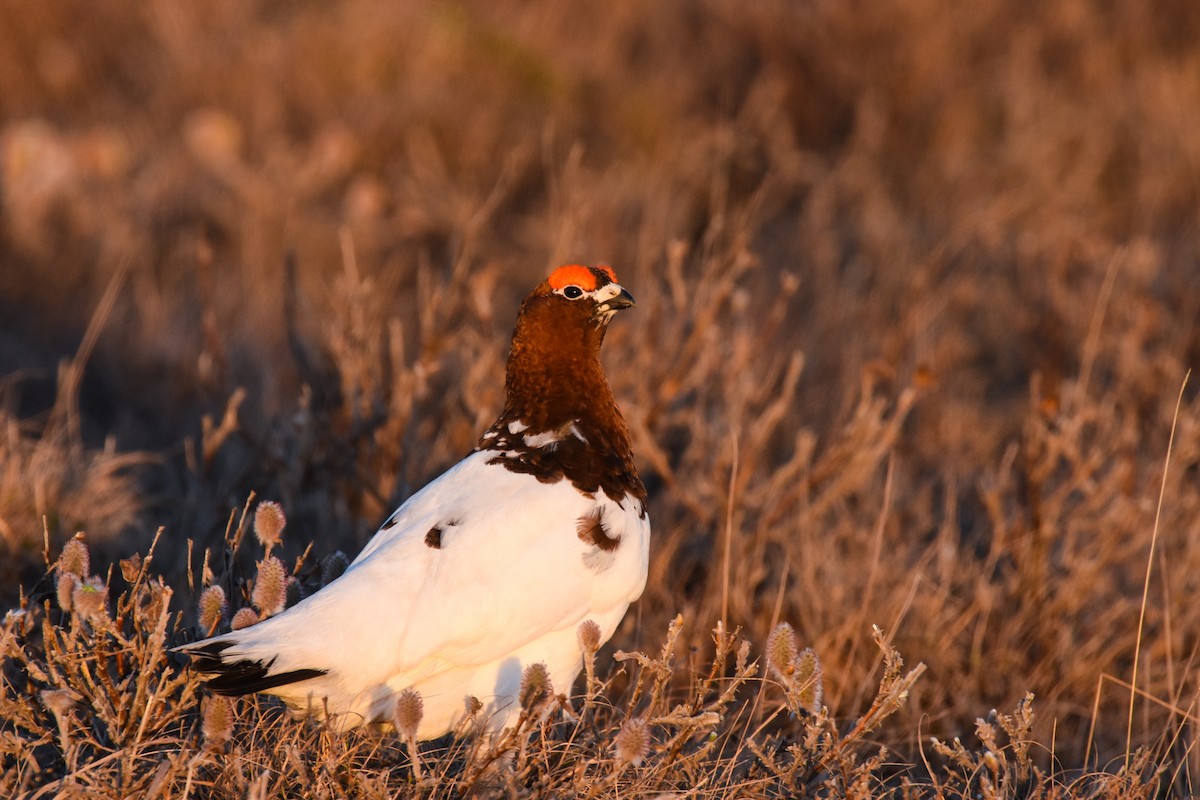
{"x": 918, "y": 285}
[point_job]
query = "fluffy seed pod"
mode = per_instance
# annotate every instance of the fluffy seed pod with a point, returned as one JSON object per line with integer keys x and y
{"x": 782, "y": 651}
{"x": 270, "y": 587}
{"x": 58, "y": 701}
{"x": 408, "y": 713}
{"x": 217, "y": 725}
{"x": 244, "y": 618}
{"x": 406, "y": 716}
{"x": 809, "y": 681}
{"x": 68, "y": 582}
{"x": 269, "y": 521}
{"x": 211, "y": 608}
{"x": 589, "y": 642}
{"x": 75, "y": 558}
{"x": 589, "y": 636}
{"x": 90, "y": 600}
{"x": 632, "y": 744}
{"x": 535, "y": 686}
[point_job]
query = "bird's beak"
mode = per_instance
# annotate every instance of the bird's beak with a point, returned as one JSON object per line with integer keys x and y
{"x": 620, "y": 301}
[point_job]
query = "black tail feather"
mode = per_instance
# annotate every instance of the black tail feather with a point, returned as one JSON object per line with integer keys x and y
{"x": 240, "y": 677}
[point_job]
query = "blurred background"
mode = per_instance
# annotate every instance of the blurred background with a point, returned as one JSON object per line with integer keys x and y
{"x": 918, "y": 288}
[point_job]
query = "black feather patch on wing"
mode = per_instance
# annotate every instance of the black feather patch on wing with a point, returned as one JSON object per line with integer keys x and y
{"x": 240, "y": 677}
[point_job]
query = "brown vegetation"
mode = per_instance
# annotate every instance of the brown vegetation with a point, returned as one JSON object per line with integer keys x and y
{"x": 917, "y": 292}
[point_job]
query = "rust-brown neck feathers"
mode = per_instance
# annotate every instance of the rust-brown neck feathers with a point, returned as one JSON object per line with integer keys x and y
{"x": 560, "y": 419}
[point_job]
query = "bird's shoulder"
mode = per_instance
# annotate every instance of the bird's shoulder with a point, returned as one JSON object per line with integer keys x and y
{"x": 593, "y": 455}
{"x": 479, "y": 504}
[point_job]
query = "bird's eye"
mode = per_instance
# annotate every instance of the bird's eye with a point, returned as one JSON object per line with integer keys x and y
{"x": 572, "y": 292}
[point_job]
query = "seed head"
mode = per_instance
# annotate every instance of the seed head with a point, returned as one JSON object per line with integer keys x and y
{"x": 809, "y": 681}
{"x": 535, "y": 686}
{"x": 244, "y": 618}
{"x": 211, "y": 608}
{"x": 408, "y": 712}
{"x": 75, "y": 558}
{"x": 332, "y": 568}
{"x": 782, "y": 651}
{"x": 589, "y": 636}
{"x": 632, "y": 744}
{"x": 217, "y": 725}
{"x": 90, "y": 600}
{"x": 58, "y": 701}
{"x": 270, "y": 587}
{"x": 589, "y": 642}
{"x": 67, "y": 583}
{"x": 269, "y": 521}
{"x": 406, "y": 716}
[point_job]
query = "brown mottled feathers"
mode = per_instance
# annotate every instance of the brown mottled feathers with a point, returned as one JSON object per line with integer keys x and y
{"x": 592, "y": 530}
{"x": 560, "y": 419}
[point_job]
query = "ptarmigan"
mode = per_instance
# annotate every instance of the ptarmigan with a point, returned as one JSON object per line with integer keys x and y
{"x": 492, "y": 566}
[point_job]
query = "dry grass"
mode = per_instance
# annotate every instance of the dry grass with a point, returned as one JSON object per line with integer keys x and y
{"x": 917, "y": 293}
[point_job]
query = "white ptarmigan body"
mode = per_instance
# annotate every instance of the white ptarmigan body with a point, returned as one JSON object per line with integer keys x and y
{"x": 488, "y": 569}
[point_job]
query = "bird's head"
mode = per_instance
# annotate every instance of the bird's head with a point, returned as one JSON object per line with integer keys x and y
{"x": 589, "y": 295}
{"x": 570, "y": 309}
{"x": 554, "y": 362}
